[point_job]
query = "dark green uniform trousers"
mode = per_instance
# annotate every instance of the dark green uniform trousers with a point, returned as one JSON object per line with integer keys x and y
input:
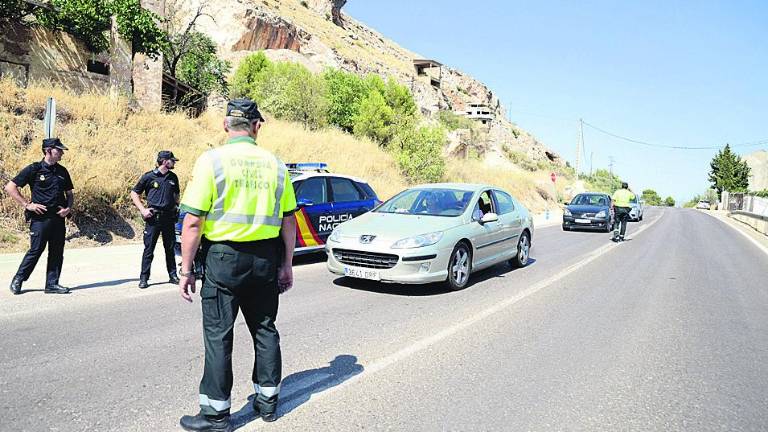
{"x": 620, "y": 221}
{"x": 240, "y": 276}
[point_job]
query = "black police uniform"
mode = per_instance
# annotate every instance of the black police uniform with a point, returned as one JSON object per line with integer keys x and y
{"x": 161, "y": 191}
{"x": 49, "y": 184}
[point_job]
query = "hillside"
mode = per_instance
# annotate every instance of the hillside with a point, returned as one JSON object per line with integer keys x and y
{"x": 318, "y": 34}
{"x": 111, "y": 146}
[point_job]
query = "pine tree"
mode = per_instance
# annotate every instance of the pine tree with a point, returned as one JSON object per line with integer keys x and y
{"x": 729, "y": 172}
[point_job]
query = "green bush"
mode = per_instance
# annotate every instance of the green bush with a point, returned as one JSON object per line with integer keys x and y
{"x": 452, "y": 121}
{"x": 602, "y": 181}
{"x": 669, "y": 202}
{"x": 387, "y": 109}
{"x": 286, "y": 90}
{"x": 651, "y": 197}
{"x": 419, "y": 153}
{"x": 247, "y": 74}
{"x": 345, "y": 92}
{"x": 375, "y": 119}
{"x": 201, "y": 68}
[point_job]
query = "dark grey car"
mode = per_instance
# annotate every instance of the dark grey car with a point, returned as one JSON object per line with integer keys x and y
{"x": 590, "y": 211}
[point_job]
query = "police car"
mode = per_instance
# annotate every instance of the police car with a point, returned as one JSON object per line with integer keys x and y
{"x": 324, "y": 200}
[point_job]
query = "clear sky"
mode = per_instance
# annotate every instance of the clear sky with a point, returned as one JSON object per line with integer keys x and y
{"x": 677, "y": 73}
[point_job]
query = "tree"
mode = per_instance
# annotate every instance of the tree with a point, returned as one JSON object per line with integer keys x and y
{"x": 603, "y": 181}
{"x": 375, "y": 118}
{"x": 90, "y": 20}
{"x": 345, "y": 92}
{"x": 248, "y": 74}
{"x": 669, "y": 202}
{"x": 201, "y": 68}
{"x": 651, "y": 197}
{"x": 419, "y": 153}
{"x": 729, "y": 172}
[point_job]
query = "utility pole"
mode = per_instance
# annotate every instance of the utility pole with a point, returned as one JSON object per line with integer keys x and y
{"x": 590, "y": 162}
{"x": 579, "y": 146}
{"x": 610, "y": 165}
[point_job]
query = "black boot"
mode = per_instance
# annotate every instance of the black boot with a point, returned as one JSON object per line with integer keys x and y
{"x": 16, "y": 285}
{"x": 205, "y": 423}
{"x": 56, "y": 289}
{"x": 143, "y": 283}
{"x": 266, "y": 408}
{"x": 173, "y": 279}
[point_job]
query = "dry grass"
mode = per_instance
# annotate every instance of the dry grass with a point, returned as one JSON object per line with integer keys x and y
{"x": 110, "y": 147}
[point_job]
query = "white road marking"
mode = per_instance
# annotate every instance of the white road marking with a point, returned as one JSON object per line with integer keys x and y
{"x": 384, "y": 362}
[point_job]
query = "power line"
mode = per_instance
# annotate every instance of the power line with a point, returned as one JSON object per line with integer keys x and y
{"x": 645, "y": 143}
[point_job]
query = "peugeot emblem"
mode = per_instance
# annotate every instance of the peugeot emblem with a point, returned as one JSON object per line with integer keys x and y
{"x": 367, "y": 238}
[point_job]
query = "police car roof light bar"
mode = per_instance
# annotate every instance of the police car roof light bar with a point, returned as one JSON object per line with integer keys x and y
{"x": 308, "y": 166}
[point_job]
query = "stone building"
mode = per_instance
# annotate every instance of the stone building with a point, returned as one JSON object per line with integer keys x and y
{"x": 33, "y": 53}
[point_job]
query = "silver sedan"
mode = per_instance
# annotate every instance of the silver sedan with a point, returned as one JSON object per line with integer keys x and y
{"x": 433, "y": 233}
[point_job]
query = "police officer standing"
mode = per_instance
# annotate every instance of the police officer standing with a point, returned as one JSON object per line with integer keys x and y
{"x": 240, "y": 201}
{"x": 622, "y": 199}
{"x": 51, "y": 203}
{"x": 161, "y": 187}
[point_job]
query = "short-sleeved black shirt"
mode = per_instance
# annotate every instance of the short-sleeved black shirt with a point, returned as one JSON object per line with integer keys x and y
{"x": 161, "y": 189}
{"x": 48, "y": 184}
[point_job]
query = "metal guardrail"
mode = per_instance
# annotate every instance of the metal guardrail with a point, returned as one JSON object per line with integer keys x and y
{"x": 750, "y": 214}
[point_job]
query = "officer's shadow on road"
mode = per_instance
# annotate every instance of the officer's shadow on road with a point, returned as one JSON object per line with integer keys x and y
{"x": 296, "y": 389}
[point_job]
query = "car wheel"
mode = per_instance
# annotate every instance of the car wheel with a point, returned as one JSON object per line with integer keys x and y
{"x": 565, "y": 228}
{"x": 523, "y": 251}
{"x": 459, "y": 267}
{"x": 608, "y": 227}
{"x": 641, "y": 218}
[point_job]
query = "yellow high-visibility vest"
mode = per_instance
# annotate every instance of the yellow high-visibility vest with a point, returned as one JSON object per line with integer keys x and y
{"x": 623, "y": 198}
{"x": 242, "y": 190}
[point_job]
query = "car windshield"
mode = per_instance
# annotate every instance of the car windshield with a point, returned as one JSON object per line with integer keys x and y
{"x": 428, "y": 202}
{"x": 590, "y": 199}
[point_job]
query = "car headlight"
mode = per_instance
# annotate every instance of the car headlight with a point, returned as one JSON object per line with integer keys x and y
{"x": 418, "y": 241}
{"x": 601, "y": 214}
{"x": 567, "y": 212}
{"x": 335, "y": 236}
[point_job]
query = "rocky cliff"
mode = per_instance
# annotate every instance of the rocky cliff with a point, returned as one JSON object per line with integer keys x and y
{"x": 318, "y": 34}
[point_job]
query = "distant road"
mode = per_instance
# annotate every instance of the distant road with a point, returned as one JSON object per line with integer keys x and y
{"x": 665, "y": 332}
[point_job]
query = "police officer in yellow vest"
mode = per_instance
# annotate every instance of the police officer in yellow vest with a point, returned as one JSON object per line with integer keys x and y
{"x": 240, "y": 204}
{"x": 622, "y": 207}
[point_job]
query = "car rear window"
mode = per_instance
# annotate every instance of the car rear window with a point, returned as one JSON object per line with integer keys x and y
{"x": 367, "y": 189}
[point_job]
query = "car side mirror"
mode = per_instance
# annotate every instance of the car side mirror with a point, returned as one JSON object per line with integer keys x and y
{"x": 304, "y": 203}
{"x": 489, "y": 217}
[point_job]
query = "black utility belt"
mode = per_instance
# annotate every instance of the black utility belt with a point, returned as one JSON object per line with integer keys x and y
{"x": 246, "y": 246}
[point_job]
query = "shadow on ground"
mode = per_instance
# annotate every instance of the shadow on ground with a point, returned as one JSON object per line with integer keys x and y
{"x": 439, "y": 288}
{"x": 298, "y": 388}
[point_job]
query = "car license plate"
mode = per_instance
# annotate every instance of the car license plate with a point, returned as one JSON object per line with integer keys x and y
{"x": 362, "y": 273}
{"x": 583, "y": 221}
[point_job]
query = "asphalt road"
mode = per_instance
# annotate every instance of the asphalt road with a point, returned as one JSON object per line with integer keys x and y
{"x": 667, "y": 331}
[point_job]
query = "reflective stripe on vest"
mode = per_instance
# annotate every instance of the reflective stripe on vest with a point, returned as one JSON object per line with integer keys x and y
{"x": 217, "y": 212}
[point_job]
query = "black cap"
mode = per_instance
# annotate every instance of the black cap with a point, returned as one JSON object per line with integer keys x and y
{"x": 166, "y": 155}
{"x": 244, "y": 108}
{"x": 53, "y": 143}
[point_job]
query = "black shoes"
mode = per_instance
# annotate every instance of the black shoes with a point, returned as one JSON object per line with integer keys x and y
{"x": 268, "y": 417}
{"x": 16, "y": 285}
{"x": 143, "y": 284}
{"x": 174, "y": 279}
{"x": 202, "y": 423}
{"x": 56, "y": 289}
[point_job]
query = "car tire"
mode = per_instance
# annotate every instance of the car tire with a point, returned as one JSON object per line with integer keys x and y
{"x": 565, "y": 228}
{"x": 640, "y": 219}
{"x": 523, "y": 251}
{"x": 608, "y": 227}
{"x": 459, "y": 267}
